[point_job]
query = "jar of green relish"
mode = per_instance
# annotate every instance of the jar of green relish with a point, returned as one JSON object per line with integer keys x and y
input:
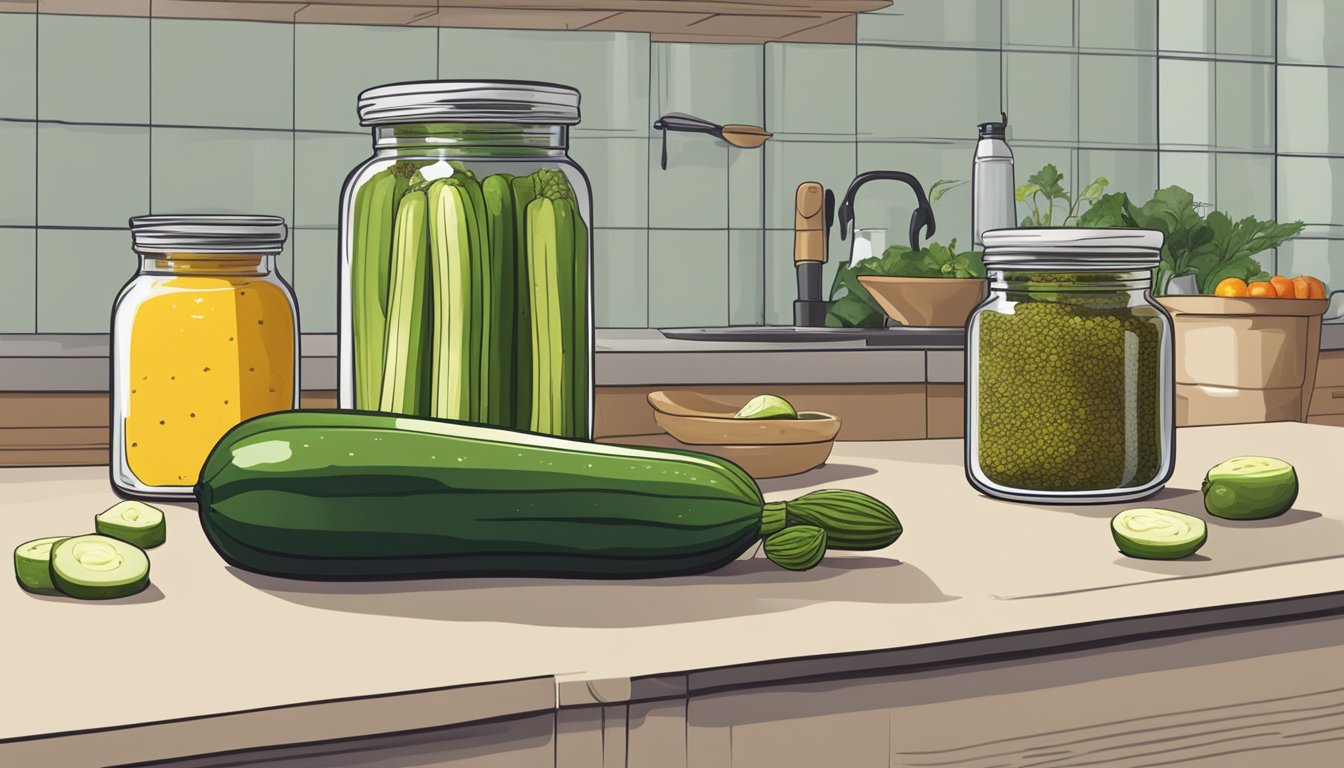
{"x": 1069, "y": 382}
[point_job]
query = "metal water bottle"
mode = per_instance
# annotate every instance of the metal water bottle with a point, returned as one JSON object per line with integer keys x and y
{"x": 993, "y": 205}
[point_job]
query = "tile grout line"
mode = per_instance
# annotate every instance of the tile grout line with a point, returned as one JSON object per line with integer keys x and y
{"x": 1213, "y": 68}
{"x": 294, "y": 152}
{"x": 648, "y": 206}
{"x": 37, "y": 175}
{"x": 149, "y": 106}
{"x": 764, "y": 303}
{"x": 760, "y": 314}
{"x": 1157, "y": 92}
{"x": 1274, "y": 170}
{"x": 1077, "y": 156}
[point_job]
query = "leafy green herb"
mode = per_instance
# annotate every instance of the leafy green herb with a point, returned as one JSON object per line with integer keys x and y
{"x": 1045, "y": 188}
{"x": 1212, "y": 248}
{"x": 1235, "y": 245}
{"x": 1107, "y": 211}
{"x": 854, "y": 307}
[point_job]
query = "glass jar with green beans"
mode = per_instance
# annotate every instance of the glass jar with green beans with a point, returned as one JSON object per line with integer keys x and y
{"x": 1069, "y": 383}
{"x": 465, "y": 246}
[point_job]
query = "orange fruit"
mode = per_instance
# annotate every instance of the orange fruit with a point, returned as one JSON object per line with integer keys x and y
{"x": 1262, "y": 290}
{"x": 1301, "y": 288}
{"x": 1232, "y": 286}
{"x": 1315, "y": 288}
{"x": 1283, "y": 286}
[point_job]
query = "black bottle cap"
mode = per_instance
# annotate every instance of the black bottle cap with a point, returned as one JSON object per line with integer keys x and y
{"x": 997, "y": 130}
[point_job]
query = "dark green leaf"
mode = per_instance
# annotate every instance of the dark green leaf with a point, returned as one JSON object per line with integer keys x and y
{"x": 850, "y": 312}
{"x": 1108, "y": 211}
{"x": 1050, "y": 181}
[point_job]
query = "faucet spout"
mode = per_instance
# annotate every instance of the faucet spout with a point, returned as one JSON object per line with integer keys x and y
{"x": 921, "y": 219}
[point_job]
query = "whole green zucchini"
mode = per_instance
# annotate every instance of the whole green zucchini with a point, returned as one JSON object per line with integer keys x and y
{"x": 351, "y": 495}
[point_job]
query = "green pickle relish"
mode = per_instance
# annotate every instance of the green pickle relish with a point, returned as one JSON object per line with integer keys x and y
{"x": 1069, "y": 383}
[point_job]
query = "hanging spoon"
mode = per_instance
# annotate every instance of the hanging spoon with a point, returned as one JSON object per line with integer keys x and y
{"x": 744, "y": 136}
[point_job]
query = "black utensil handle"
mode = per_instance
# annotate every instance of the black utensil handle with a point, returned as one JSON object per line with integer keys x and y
{"x": 675, "y": 121}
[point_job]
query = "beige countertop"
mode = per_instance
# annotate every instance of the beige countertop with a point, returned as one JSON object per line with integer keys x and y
{"x": 970, "y": 577}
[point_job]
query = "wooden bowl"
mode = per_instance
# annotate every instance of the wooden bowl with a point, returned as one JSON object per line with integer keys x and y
{"x": 759, "y": 461}
{"x": 926, "y": 302}
{"x": 809, "y": 427}
{"x": 762, "y": 447}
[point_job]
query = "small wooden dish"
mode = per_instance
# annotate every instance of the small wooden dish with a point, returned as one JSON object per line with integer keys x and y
{"x": 762, "y": 447}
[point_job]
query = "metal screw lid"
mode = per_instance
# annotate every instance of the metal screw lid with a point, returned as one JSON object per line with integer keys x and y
{"x": 1068, "y": 248}
{"x": 468, "y": 101}
{"x": 208, "y": 233}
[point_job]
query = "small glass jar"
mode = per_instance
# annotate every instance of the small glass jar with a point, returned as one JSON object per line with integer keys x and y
{"x": 465, "y": 249}
{"x": 1069, "y": 378}
{"x": 204, "y": 336}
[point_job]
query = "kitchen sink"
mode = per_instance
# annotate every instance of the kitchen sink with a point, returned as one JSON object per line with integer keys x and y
{"x": 874, "y": 337}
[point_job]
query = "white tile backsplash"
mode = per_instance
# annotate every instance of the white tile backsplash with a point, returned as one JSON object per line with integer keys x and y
{"x": 276, "y": 130}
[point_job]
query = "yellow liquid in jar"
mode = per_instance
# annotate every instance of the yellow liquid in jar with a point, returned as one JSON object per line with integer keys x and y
{"x": 206, "y": 352}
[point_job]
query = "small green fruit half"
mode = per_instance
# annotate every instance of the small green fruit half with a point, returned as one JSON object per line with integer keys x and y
{"x": 133, "y": 522}
{"x": 1250, "y": 488}
{"x": 852, "y": 520}
{"x": 798, "y": 547}
{"x": 1158, "y": 534}
{"x": 767, "y": 407}
{"x": 32, "y": 564}
{"x": 97, "y": 567}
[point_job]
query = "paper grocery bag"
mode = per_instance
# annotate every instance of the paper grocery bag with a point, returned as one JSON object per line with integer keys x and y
{"x": 1241, "y": 360}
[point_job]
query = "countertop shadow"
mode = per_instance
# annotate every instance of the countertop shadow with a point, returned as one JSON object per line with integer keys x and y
{"x": 1184, "y": 500}
{"x": 150, "y": 594}
{"x": 827, "y": 473}
{"x": 748, "y": 586}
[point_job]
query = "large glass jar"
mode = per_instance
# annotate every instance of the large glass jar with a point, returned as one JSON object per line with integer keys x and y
{"x": 1069, "y": 383}
{"x": 465, "y": 251}
{"x": 204, "y": 336}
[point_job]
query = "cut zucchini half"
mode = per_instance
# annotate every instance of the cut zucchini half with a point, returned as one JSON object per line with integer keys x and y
{"x": 1158, "y": 534}
{"x": 32, "y": 564}
{"x": 96, "y": 567}
{"x": 1250, "y": 488}
{"x": 133, "y": 522}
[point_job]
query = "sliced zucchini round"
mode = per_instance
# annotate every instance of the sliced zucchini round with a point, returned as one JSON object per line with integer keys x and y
{"x": 133, "y": 522}
{"x": 32, "y": 564}
{"x": 95, "y": 567}
{"x": 1158, "y": 534}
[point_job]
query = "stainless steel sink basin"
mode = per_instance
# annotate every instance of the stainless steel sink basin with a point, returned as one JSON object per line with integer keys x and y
{"x": 874, "y": 337}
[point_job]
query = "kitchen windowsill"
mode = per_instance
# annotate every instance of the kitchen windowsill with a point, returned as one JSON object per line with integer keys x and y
{"x": 213, "y": 649}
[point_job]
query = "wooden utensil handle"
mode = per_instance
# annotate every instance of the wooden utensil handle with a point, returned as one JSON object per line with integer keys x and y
{"x": 809, "y": 223}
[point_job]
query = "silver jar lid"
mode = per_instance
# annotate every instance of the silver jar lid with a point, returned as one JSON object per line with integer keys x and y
{"x": 467, "y": 101}
{"x": 1065, "y": 248}
{"x": 208, "y": 233}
